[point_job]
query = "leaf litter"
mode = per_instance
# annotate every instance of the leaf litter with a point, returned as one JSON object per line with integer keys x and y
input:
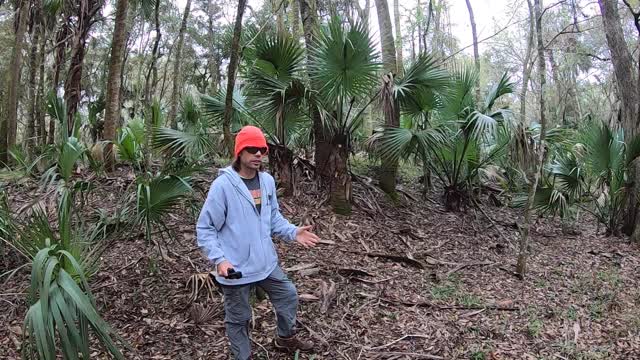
{"x": 416, "y": 283}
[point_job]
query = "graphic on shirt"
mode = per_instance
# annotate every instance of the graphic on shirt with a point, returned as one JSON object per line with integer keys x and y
{"x": 257, "y": 197}
{"x": 253, "y": 185}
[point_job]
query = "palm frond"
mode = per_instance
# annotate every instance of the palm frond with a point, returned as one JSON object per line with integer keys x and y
{"x": 213, "y": 109}
{"x": 158, "y": 196}
{"x": 192, "y": 142}
{"x": 633, "y": 150}
{"x": 503, "y": 87}
{"x": 400, "y": 143}
{"x": 59, "y": 304}
{"x": 343, "y": 61}
{"x": 423, "y": 75}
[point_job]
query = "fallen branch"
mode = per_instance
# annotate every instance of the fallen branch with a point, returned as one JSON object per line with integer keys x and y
{"x": 396, "y": 258}
{"x": 313, "y": 333}
{"x": 462, "y": 266}
{"x": 426, "y": 304}
{"x": 409, "y": 354}
{"x": 398, "y": 340}
{"x": 493, "y": 224}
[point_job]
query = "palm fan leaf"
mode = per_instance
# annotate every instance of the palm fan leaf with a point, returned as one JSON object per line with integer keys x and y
{"x": 213, "y": 109}
{"x": 424, "y": 75}
{"x": 160, "y": 195}
{"x": 343, "y": 61}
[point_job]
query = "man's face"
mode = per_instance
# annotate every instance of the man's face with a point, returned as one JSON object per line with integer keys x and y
{"x": 251, "y": 157}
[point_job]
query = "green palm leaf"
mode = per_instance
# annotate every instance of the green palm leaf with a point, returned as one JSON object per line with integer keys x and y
{"x": 343, "y": 61}
{"x": 58, "y": 305}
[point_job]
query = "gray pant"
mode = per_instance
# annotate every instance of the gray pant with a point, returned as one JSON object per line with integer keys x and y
{"x": 284, "y": 298}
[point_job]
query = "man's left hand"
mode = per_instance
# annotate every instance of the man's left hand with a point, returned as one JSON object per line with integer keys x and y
{"x": 305, "y": 237}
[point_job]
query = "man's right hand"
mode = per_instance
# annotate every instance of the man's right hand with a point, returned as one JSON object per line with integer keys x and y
{"x": 223, "y": 268}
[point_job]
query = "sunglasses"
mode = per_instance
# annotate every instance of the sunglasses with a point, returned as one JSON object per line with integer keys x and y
{"x": 254, "y": 150}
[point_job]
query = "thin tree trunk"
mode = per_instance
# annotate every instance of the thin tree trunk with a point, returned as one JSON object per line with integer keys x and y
{"x": 112, "y": 110}
{"x": 628, "y": 93}
{"x": 152, "y": 73}
{"x": 86, "y": 11}
{"x": 391, "y": 110}
{"x": 213, "y": 57}
{"x": 294, "y": 16}
{"x": 40, "y": 118}
{"x": 33, "y": 81}
{"x": 175, "y": 96}
{"x": 527, "y": 66}
{"x": 437, "y": 29}
{"x": 309, "y": 16}
{"x": 277, "y": 9}
{"x": 398, "y": 44}
{"x": 426, "y": 27}
{"x": 476, "y": 54}
{"x": 420, "y": 34}
{"x": 523, "y": 254}
{"x": 231, "y": 77}
{"x": 59, "y": 61}
{"x": 413, "y": 43}
{"x": 13, "y": 90}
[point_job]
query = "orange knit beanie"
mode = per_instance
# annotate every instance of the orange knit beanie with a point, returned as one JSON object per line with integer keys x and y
{"x": 249, "y": 136}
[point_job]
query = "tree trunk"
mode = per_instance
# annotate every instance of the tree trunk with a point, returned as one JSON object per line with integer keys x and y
{"x": 13, "y": 90}
{"x": 59, "y": 61}
{"x": 175, "y": 96}
{"x": 40, "y": 116}
{"x": 309, "y": 14}
{"x": 86, "y": 11}
{"x": 420, "y": 34}
{"x": 391, "y": 109}
{"x": 213, "y": 57}
{"x": 231, "y": 77}
{"x": 33, "y": 81}
{"x": 152, "y": 73}
{"x": 294, "y": 17}
{"x": 398, "y": 44}
{"x": 527, "y": 66}
{"x": 523, "y": 254}
{"x": 281, "y": 161}
{"x": 340, "y": 184}
{"x": 112, "y": 110}
{"x": 476, "y": 54}
{"x": 629, "y": 95}
{"x": 277, "y": 9}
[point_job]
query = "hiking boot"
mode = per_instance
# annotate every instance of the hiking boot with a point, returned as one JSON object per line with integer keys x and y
{"x": 291, "y": 344}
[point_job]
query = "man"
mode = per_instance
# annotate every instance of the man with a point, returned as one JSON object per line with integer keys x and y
{"x": 234, "y": 229}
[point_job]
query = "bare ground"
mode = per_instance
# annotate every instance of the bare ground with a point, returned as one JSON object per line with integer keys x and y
{"x": 410, "y": 281}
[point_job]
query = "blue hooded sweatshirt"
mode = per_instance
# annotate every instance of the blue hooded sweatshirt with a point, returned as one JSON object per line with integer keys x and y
{"x": 231, "y": 228}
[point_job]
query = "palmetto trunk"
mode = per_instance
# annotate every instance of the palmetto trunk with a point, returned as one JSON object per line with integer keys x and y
{"x": 175, "y": 96}
{"x": 340, "y": 184}
{"x": 281, "y": 161}
{"x": 10, "y": 124}
{"x": 629, "y": 94}
{"x": 231, "y": 76}
{"x": 112, "y": 110}
{"x": 391, "y": 111}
